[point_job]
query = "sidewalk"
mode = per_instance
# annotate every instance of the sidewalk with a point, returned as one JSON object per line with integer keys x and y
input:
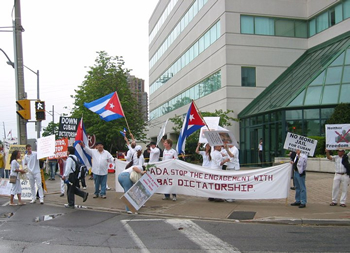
{"x": 317, "y": 211}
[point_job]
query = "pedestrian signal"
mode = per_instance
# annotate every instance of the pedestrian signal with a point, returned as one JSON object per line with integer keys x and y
{"x": 40, "y": 110}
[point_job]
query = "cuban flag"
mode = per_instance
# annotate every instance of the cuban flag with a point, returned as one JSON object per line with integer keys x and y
{"x": 79, "y": 151}
{"x": 192, "y": 123}
{"x": 108, "y": 107}
{"x": 123, "y": 132}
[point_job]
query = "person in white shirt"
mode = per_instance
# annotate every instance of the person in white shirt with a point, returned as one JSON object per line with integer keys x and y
{"x": 34, "y": 176}
{"x": 232, "y": 159}
{"x": 169, "y": 153}
{"x": 217, "y": 161}
{"x": 341, "y": 178}
{"x": 205, "y": 155}
{"x": 225, "y": 157}
{"x": 72, "y": 188}
{"x": 154, "y": 152}
{"x": 131, "y": 148}
{"x": 100, "y": 160}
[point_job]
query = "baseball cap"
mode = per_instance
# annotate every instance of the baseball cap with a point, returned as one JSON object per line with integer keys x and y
{"x": 138, "y": 148}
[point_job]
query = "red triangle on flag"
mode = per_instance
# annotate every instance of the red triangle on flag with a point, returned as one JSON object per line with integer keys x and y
{"x": 114, "y": 105}
{"x": 194, "y": 118}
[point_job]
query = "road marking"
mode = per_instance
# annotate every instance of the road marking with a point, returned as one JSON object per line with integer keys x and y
{"x": 201, "y": 237}
{"x": 134, "y": 236}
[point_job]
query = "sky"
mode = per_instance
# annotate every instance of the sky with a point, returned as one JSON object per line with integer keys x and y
{"x": 60, "y": 40}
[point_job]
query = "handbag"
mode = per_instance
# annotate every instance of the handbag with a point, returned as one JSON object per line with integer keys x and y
{"x": 135, "y": 176}
{"x": 13, "y": 179}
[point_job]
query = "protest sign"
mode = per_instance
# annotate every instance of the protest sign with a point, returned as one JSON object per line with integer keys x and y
{"x": 294, "y": 141}
{"x": 46, "y": 146}
{"x": 212, "y": 123}
{"x": 219, "y": 137}
{"x": 161, "y": 132}
{"x": 140, "y": 192}
{"x": 61, "y": 148}
{"x": 21, "y": 148}
{"x": 337, "y": 136}
{"x": 68, "y": 127}
{"x": 180, "y": 177}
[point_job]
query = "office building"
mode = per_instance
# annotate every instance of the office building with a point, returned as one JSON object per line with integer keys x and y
{"x": 281, "y": 65}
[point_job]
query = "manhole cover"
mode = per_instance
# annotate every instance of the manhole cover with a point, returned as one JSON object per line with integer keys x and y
{"x": 47, "y": 217}
{"x": 242, "y": 215}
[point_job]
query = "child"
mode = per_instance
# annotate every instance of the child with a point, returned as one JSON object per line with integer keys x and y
{"x": 16, "y": 187}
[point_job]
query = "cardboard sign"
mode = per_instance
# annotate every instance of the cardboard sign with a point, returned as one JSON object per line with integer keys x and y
{"x": 306, "y": 145}
{"x": 46, "y": 146}
{"x": 219, "y": 137}
{"x": 68, "y": 127}
{"x": 61, "y": 149}
{"x": 337, "y": 136}
{"x": 212, "y": 123}
{"x": 140, "y": 192}
{"x": 21, "y": 148}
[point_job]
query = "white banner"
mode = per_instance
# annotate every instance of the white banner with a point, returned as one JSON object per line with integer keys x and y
{"x": 338, "y": 136}
{"x": 46, "y": 146}
{"x": 306, "y": 145}
{"x": 175, "y": 176}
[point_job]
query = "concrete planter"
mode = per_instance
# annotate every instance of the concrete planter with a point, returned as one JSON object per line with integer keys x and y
{"x": 313, "y": 164}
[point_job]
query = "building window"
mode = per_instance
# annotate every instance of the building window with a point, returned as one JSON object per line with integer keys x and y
{"x": 248, "y": 77}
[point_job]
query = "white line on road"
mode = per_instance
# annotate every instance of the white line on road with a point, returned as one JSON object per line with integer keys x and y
{"x": 201, "y": 237}
{"x": 134, "y": 236}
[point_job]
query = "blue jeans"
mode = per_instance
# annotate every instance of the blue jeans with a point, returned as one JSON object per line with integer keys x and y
{"x": 52, "y": 166}
{"x": 125, "y": 182}
{"x": 2, "y": 173}
{"x": 300, "y": 188}
{"x": 100, "y": 181}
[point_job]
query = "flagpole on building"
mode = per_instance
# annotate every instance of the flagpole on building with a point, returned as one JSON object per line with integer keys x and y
{"x": 200, "y": 115}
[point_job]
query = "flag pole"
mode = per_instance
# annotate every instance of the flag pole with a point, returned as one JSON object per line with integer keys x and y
{"x": 127, "y": 125}
{"x": 200, "y": 115}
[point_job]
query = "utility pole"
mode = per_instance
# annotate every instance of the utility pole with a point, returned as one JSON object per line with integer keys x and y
{"x": 18, "y": 59}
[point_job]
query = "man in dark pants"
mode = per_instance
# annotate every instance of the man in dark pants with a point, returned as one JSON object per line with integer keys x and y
{"x": 72, "y": 188}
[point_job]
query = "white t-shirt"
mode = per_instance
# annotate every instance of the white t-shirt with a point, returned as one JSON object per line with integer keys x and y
{"x": 233, "y": 164}
{"x": 216, "y": 159}
{"x": 32, "y": 162}
{"x": 154, "y": 155}
{"x": 138, "y": 162}
{"x": 206, "y": 161}
{"x": 169, "y": 154}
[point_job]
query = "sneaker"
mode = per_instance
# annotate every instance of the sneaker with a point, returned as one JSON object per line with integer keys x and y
{"x": 103, "y": 197}
{"x": 108, "y": 188}
{"x": 68, "y": 206}
{"x": 128, "y": 212}
{"x": 85, "y": 197}
{"x": 62, "y": 195}
{"x": 84, "y": 188}
{"x": 95, "y": 196}
{"x": 174, "y": 198}
{"x": 166, "y": 198}
{"x": 230, "y": 200}
{"x": 296, "y": 204}
{"x": 33, "y": 201}
{"x": 41, "y": 202}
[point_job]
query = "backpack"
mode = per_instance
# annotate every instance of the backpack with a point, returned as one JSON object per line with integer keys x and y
{"x": 345, "y": 162}
{"x": 80, "y": 169}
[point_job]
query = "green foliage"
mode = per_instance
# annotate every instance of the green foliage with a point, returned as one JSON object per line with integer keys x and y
{"x": 341, "y": 114}
{"x": 106, "y": 76}
{"x": 52, "y": 128}
{"x": 192, "y": 140}
{"x": 320, "y": 148}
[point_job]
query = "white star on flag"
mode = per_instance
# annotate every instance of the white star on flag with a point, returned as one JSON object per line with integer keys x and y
{"x": 191, "y": 117}
{"x": 111, "y": 105}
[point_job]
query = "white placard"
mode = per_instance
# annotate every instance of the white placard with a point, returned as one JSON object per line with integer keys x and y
{"x": 337, "y": 136}
{"x": 141, "y": 191}
{"x": 212, "y": 123}
{"x": 306, "y": 145}
{"x": 46, "y": 146}
{"x": 219, "y": 137}
{"x": 162, "y": 132}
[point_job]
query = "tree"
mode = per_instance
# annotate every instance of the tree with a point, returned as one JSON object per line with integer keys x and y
{"x": 106, "y": 76}
{"x": 52, "y": 128}
{"x": 192, "y": 140}
{"x": 341, "y": 115}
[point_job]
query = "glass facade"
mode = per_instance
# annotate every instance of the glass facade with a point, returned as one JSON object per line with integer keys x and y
{"x": 162, "y": 19}
{"x": 201, "y": 89}
{"x": 186, "y": 19}
{"x": 299, "y": 101}
{"x": 284, "y": 27}
{"x": 197, "y": 48}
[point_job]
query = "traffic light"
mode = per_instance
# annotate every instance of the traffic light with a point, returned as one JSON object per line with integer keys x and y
{"x": 24, "y": 111}
{"x": 40, "y": 110}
